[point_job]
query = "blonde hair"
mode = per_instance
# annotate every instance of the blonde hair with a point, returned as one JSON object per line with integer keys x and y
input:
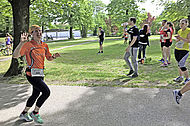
{"x": 185, "y": 20}
{"x": 33, "y": 27}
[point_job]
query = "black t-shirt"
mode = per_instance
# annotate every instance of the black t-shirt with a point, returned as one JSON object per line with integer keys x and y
{"x": 133, "y": 31}
{"x": 144, "y": 37}
{"x": 102, "y": 34}
{"x": 166, "y": 33}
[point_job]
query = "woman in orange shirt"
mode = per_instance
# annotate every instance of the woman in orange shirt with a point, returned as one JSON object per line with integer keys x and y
{"x": 35, "y": 52}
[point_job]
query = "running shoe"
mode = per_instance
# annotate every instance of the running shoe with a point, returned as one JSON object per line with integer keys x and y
{"x": 36, "y": 118}
{"x": 142, "y": 61}
{"x": 26, "y": 117}
{"x": 161, "y": 60}
{"x": 98, "y": 52}
{"x": 164, "y": 65}
{"x": 134, "y": 75}
{"x": 176, "y": 96}
{"x": 186, "y": 80}
{"x": 130, "y": 72}
{"x": 178, "y": 79}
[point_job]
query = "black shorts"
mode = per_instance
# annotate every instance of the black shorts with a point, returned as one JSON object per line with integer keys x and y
{"x": 180, "y": 54}
{"x": 166, "y": 44}
{"x": 101, "y": 41}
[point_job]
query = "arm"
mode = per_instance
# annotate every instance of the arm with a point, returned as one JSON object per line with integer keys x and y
{"x": 169, "y": 35}
{"x": 16, "y": 53}
{"x": 24, "y": 39}
{"x": 183, "y": 39}
{"x": 53, "y": 57}
{"x": 131, "y": 44}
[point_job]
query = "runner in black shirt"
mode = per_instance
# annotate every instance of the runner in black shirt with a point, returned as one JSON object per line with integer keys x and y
{"x": 143, "y": 42}
{"x": 132, "y": 49}
{"x": 101, "y": 37}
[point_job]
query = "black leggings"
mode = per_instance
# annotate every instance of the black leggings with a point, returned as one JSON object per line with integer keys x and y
{"x": 142, "y": 48}
{"x": 38, "y": 86}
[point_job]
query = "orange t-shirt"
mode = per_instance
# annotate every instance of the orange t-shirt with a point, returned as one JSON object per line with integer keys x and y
{"x": 38, "y": 53}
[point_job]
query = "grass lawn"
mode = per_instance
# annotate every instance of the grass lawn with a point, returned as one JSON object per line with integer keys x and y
{"x": 80, "y": 65}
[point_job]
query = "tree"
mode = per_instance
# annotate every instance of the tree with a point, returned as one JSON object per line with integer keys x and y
{"x": 120, "y": 10}
{"x": 20, "y": 9}
{"x": 5, "y": 17}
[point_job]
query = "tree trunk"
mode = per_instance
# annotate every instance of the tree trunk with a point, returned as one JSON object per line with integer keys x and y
{"x": 71, "y": 32}
{"x": 84, "y": 31}
{"x": 189, "y": 18}
{"x": 20, "y": 10}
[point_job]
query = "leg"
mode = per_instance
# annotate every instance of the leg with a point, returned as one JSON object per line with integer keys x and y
{"x": 144, "y": 51}
{"x": 165, "y": 54}
{"x": 134, "y": 59}
{"x": 45, "y": 93}
{"x": 126, "y": 58}
{"x": 169, "y": 55}
{"x": 140, "y": 49}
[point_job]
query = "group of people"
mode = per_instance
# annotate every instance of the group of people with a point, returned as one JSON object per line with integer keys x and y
{"x": 35, "y": 51}
{"x": 166, "y": 31}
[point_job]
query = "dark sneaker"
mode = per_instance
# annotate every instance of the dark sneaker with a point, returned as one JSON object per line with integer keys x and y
{"x": 178, "y": 79}
{"x": 164, "y": 65}
{"x": 134, "y": 75}
{"x": 102, "y": 52}
{"x": 162, "y": 60}
{"x": 130, "y": 72}
{"x": 186, "y": 80}
{"x": 99, "y": 52}
{"x": 176, "y": 96}
{"x": 26, "y": 117}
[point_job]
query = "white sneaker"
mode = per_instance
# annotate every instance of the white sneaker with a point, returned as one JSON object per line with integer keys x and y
{"x": 176, "y": 96}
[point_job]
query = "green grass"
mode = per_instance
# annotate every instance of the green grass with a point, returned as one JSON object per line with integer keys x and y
{"x": 2, "y": 39}
{"x": 80, "y": 65}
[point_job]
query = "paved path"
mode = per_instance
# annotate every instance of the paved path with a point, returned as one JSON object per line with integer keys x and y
{"x": 97, "y": 106}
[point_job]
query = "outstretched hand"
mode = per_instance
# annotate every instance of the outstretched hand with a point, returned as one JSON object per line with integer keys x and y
{"x": 24, "y": 37}
{"x": 56, "y": 55}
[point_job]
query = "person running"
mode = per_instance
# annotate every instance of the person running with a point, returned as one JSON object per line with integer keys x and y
{"x": 167, "y": 43}
{"x": 161, "y": 32}
{"x": 182, "y": 50}
{"x": 132, "y": 48}
{"x": 125, "y": 35}
{"x": 35, "y": 52}
{"x": 101, "y": 37}
{"x": 8, "y": 40}
{"x": 143, "y": 42}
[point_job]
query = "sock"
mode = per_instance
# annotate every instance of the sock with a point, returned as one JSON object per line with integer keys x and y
{"x": 35, "y": 112}
{"x": 179, "y": 93}
{"x": 23, "y": 112}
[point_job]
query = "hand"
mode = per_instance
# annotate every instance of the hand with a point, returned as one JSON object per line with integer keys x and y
{"x": 24, "y": 37}
{"x": 177, "y": 37}
{"x": 127, "y": 49}
{"x": 56, "y": 55}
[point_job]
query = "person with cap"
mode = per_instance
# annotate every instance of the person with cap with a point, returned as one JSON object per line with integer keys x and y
{"x": 35, "y": 52}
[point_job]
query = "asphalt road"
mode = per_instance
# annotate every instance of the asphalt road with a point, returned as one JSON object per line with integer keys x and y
{"x": 97, "y": 106}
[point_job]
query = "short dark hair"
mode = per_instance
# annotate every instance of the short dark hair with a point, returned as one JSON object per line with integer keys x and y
{"x": 164, "y": 21}
{"x": 100, "y": 27}
{"x": 133, "y": 19}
